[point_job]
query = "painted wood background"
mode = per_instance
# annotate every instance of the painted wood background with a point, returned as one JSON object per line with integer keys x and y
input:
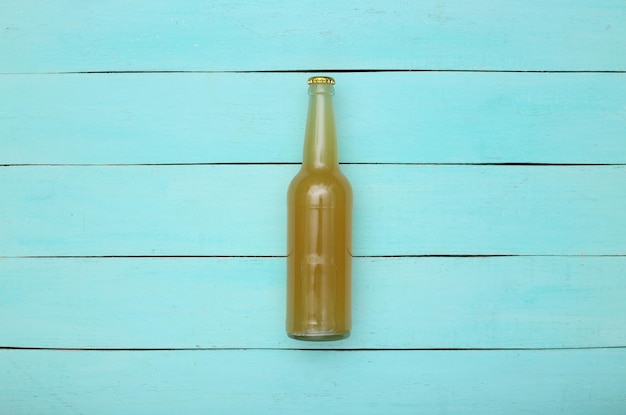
{"x": 145, "y": 152}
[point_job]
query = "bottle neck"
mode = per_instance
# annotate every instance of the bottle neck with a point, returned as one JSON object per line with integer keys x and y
{"x": 320, "y": 140}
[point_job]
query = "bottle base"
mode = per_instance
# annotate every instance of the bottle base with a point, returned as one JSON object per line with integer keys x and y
{"x": 319, "y": 337}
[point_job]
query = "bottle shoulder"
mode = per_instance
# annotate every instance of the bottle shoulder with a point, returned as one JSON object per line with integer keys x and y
{"x": 322, "y": 178}
{"x": 311, "y": 182}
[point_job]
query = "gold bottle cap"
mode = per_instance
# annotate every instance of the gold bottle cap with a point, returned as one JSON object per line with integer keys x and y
{"x": 321, "y": 80}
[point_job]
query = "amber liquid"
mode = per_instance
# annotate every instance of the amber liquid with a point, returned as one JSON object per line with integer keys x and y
{"x": 319, "y": 258}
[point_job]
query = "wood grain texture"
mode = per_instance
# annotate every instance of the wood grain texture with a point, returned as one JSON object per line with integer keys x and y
{"x": 72, "y": 35}
{"x": 135, "y": 128}
{"x": 169, "y": 303}
{"x": 269, "y": 382}
{"x": 238, "y": 210}
{"x": 427, "y": 117}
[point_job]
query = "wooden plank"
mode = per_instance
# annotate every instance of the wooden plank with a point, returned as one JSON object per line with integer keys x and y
{"x": 167, "y": 303}
{"x": 238, "y": 210}
{"x": 271, "y": 381}
{"x": 118, "y": 35}
{"x": 425, "y": 117}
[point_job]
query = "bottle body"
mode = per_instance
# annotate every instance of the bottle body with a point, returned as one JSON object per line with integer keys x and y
{"x": 319, "y": 255}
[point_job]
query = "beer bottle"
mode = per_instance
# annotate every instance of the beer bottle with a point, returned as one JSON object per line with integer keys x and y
{"x": 319, "y": 242}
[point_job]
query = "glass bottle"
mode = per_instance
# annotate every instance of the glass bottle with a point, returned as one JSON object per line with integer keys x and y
{"x": 319, "y": 242}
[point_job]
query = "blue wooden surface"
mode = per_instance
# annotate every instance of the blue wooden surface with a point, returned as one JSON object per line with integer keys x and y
{"x": 240, "y": 210}
{"x": 308, "y": 382}
{"x": 144, "y": 160}
{"x": 431, "y": 302}
{"x": 405, "y": 117}
{"x": 70, "y": 35}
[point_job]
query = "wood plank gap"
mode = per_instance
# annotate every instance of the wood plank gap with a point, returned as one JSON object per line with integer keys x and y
{"x": 284, "y": 256}
{"x": 136, "y": 256}
{"x": 309, "y": 71}
{"x": 280, "y": 163}
{"x": 365, "y": 349}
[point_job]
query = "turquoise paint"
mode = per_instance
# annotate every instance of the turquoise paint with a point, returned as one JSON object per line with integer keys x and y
{"x": 567, "y": 222}
{"x": 143, "y": 303}
{"x": 240, "y": 210}
{"x": 416, "y": 117}
{"x": 226, "y": 35}
{"x": 309, "y": 382}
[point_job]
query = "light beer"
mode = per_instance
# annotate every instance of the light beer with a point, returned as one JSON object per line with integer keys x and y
{"x": 319, "y": 242}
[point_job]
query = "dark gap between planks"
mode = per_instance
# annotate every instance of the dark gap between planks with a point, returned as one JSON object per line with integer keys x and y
{"x": 433, "y": 349}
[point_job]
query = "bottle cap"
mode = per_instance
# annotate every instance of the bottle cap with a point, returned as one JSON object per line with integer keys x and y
{"x": 321, "y": 80}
